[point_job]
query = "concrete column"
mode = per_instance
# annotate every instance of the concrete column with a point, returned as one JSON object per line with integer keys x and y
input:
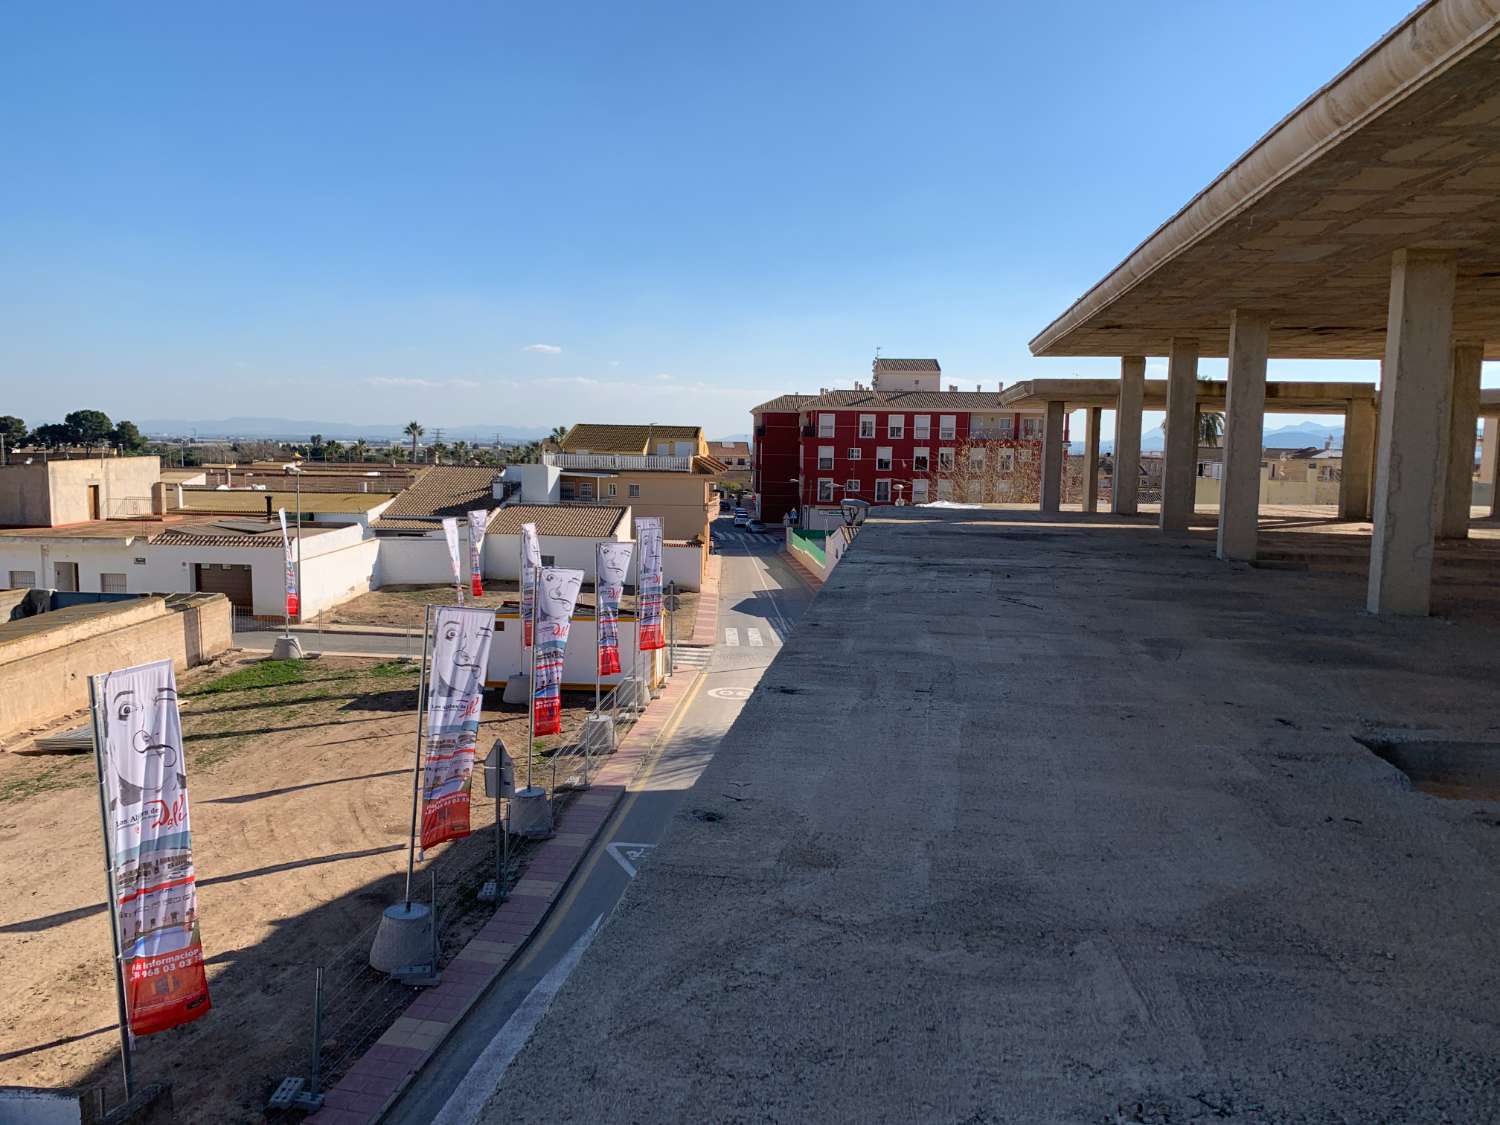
{"x": 1489, "y": 458}
{"x": 1358, "y": 460}
{"x": 1091, "y": 419}
{"x": 1127, "y": 480}
{"x": 1180, "y": 458}
{"x": 1052, "y": 458}
{"x": 1413, "y": 436}
{"x": 1463, "y": 412}
{"x": 1244, "y": 413}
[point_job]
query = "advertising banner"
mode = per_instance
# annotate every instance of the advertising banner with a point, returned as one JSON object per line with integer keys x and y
{"x": 648, "y": 584}
{"x": 455, "y": 694}
{"x": 477, "y": 520}
{"x": 612, "y": 563}
{"x": 150, "y": 846}
{"x": 450, "y": 533}
{"x": 531, "y": 562}
{"x": 292, "y": 599}
{"x": 556, "y": 596}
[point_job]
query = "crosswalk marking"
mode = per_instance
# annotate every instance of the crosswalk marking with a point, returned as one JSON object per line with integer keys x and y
{"x": 753, "y": 635}
{"x": 690, "y": 658}
{"x": 731, "y": 636}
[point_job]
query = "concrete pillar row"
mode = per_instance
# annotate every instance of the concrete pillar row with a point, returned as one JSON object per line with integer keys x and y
{"x": 1093, "y": 416}
{"x": 1416, "y": 383}
{"x": 1244, "y": 415}
{"x": 1180, "y": 459}
{"x": 1052, "y": 458}
{"x": 1126, "y": 488}
{"x": 1463, "y": 415}
{"x": 1357, "y": 475}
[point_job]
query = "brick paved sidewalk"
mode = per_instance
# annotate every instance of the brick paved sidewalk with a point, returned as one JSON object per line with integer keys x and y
{"x": 706, "y": 623}
{"x": 372, "y": 1084}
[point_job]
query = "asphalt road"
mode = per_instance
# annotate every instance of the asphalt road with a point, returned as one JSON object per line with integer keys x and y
{"x": 760, "y": 601}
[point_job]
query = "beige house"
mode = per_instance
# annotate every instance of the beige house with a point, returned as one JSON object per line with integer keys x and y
{"x": 663, "y": 471}
{"x": 53, "y": 493}
{"x": 735, "y": 455}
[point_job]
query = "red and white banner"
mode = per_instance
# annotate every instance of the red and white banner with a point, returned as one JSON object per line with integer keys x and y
{"x": 150, "y": 847}
{"x": 450, "y": 533}
{"x": 612, "y": 564}
{"x": 531, "y": 562}
{"x": 477, "y": 521}
{"x": 648, "y": 584}
{"x": 557, "y": 594}
{"x": 455, "y": 696}
{"x": 293, "y": 602}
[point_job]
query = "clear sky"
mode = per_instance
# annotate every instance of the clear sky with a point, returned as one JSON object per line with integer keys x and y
{"x": 532, "y": 214}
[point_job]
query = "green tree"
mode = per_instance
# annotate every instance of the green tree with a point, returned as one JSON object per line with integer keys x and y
{"x": 52, "y": 435}
{"x": 438, "y": 450}
{"x": 414, "y": 430}
{"x": 462, "y": 454}
{"x": 315, "y": 447}
{"x": 333, "y": 450}
{"x": 557, "y": 434}
{"x": 128, "y": 437}
{"x": 88, "y": 427}
{"x": 360, "y": 450}
{"x": 1210, "y": 427}
{"x": 13, "y": 430}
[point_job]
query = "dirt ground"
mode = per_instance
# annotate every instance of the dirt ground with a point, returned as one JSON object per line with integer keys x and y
{"x": 402, "y": 606}
{"x": 300, "y": 779}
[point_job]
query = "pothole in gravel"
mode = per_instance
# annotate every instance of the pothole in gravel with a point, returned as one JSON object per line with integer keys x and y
{"x": 1458, "y": 770}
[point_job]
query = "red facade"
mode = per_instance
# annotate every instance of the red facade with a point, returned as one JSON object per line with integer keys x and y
{"x": 789, "y": 459}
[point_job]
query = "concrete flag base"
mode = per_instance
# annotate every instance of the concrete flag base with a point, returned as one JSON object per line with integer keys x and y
{"x": 599, "y": 734}
{"x": 516, "y": 688}
{"x": 287, "y": 648}
{"x": 531, "y": 813}
{"x": 404, "y": 937}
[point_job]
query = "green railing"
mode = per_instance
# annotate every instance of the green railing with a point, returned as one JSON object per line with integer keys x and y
{"x": 811, "y": 542}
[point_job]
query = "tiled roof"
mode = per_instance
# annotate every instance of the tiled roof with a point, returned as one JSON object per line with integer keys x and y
{"x": 712, "y": 466}
{"x": 598, "y": 437}
{"x": 884, "y": 364}
{"x": 253, "y": 500}
{"x": 586, "y": 521}
{"x": 188, "y": 539}
{"x": 721, "y": 449}
{"x": 935, "y": 401}
{"x": 783, "y": 404}
{"x": 443, "y": 490}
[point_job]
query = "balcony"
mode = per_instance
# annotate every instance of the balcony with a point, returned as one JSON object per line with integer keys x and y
{"x": 618, "y": 462}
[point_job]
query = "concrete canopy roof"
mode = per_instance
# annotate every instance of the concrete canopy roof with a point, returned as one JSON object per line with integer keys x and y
{"x": 1296, "y": 398}
{"x": 1400, "y": 150}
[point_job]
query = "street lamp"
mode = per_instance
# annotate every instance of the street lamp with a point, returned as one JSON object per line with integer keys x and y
{"x": 855, "y": 511}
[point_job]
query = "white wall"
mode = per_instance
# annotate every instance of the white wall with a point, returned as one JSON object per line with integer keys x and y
{"x": 415, "y": 561}
{"x": 683, "y": 565}
{"x": 506, "y": 657}
{"x": 337, "y": 573}
{"x": 502, "y": 553}
{"x": 540, "y": 484}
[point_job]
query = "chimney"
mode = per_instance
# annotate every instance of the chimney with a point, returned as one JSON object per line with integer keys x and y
{"x": 269, "y": 512}
{"x": 979, "y": 386}
{"x": 952, "y": 388}
{"x": 1000, "y": 386}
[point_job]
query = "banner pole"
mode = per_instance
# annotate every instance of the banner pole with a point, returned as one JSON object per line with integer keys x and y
{"x": 597, "y": 674}
{"x": 416, "y": 777}
{"x": 635, "y": 657}
{"x": 109, "y": 888}
{"x": 531, "y": 694}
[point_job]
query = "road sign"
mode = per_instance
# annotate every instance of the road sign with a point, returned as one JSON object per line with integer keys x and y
{"x": 672, "y": 602}
{"x": 729, "y": 692}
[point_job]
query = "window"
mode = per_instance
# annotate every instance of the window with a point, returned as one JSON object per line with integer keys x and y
{"x": 614, "y": 489}
{"x": 945, "y": 458}
{"x": 825, "y": 490}
{"x": 825, "y": 425}
{"x": 1005, "y": 427}
{"x": 549, "y": 560}
{"x": 825, "y": 456}
{"x": 919, "y": 492}
{"x": 1007, "y": 459}
{"x": 947, "y": 426}
{"x": 585, "y": 491}
{"x": 867, "y": 425}
{"x": 883, "y": 459}
{"x": 895, "y": 425}
{"x": 945, "y": 490}
{"x": 853, "y": 454}
{"x": 22, "y": 579}
{"x": 111, "y": 583}
{"x": 921, "y": 426}
{"x": 851, "y": 486}
{"x": 633, "y": 489}
{"x": 1031, "y": 429}
{"x": 976, "y": 459}
{"x": 882, "y": 492}
{"x": 921, "y": 459}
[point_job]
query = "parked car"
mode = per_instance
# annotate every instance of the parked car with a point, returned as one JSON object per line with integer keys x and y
{"x": 741, "y": 517}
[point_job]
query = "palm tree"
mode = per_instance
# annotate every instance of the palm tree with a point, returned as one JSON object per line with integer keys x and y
{"x": 315, "y": 446}
{"x": 557, "y": 435}
{"x": 414, "y": 430}
{"x": 461, "y": 453}
{"x": 1210, "y": 427}
{"x": 360, "y": 449}
{"x": 332, "y": 449}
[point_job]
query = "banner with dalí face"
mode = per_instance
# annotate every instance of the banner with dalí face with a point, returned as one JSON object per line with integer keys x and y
{"x": 557, "y": 594}
{"x": 455, "y": 696}
{"x": 612, "y": 563}
{"x": 531, "y": 562}
{"x": 450, "y": 533}
{"x": 477, "y": 520}
{"x": 150, "y": 846}
{"x": 292, "y": 599}
{"x": 648, "y": 584}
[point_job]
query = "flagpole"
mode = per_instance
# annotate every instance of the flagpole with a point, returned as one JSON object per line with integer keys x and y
{"x": 596, "y": 627}
{"x": 109, "y": 886}
{"x": 416, "y": 777}
{"x": 531, "y": 691}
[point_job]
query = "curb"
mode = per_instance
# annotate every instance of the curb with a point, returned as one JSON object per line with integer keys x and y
{"x": 706, "y": 623}
{"x": 803, "y": 571}
{"x": 372, "y": 1085}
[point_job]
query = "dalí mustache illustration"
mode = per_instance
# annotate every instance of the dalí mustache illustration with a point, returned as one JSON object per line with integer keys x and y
{"x": 152, "y": 767}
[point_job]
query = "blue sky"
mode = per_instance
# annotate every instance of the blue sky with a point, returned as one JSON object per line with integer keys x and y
{"x": 539, "y": 214}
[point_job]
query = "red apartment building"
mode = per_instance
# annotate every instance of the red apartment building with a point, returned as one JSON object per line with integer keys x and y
{"x": 896, "y": 440}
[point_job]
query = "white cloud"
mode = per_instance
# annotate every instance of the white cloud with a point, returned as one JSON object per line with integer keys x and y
{"x": 390, "y": 381}
{"x": 663, "y": 377}
{"x": 543, "y": 349}
{"x": 463, "y": 384}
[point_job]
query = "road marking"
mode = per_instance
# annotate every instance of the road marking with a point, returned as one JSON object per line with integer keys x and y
{"x": 628, "y": 855}
{"x": 754, "y": 637}
{"x": 478, "y": 1085}
{"x": 731, "y": 636}
{"x": 729, "y": 692}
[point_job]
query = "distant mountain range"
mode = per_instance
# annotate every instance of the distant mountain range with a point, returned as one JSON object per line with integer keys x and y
{"x": 1281, "y": 437}
{"x": 282, "y": 429}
